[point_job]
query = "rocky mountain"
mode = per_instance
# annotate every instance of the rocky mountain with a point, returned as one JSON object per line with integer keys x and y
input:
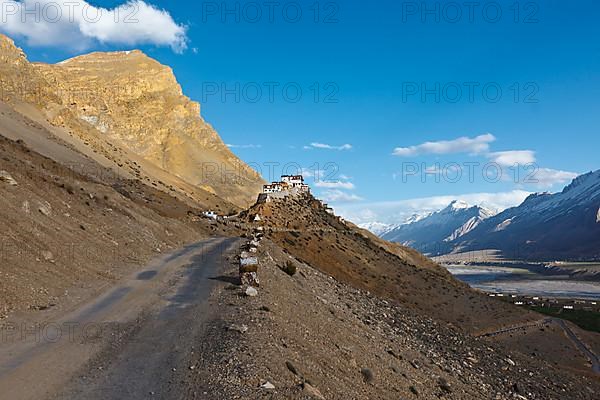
{"x": 378, "y": 228}
{"x": 436, "y": 233}
{"x": 129, "y": 101}
{"x": 545, "y": 226}
{"x": 19, "y": 79}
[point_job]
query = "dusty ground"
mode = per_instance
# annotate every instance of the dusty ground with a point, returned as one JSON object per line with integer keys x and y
{"x": 311, "y": 332}
{"x": 126, "y": 342}
{"x": 308, "y": 232}
{"x": 64, "y": 232}
{"x": 550, "y": 342}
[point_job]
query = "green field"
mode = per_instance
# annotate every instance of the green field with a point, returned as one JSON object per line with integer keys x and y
{"x": 588, "y": 320}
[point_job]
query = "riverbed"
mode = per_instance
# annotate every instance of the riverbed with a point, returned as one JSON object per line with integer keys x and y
{"x": 523, "y": 282}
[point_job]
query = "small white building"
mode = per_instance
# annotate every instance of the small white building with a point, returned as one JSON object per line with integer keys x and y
{"x": 210, "y": 214}
{"x": 275, "y": 187}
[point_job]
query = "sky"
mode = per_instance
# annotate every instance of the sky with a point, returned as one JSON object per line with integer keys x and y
{"x": 389, "y": 108}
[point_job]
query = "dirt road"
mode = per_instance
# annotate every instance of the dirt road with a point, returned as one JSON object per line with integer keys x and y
{"x": 578, "y": 344}
{"x": 127, "y": 343}
{"x": 582, "y": 347}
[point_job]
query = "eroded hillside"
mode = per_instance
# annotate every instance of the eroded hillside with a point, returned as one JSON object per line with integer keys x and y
{"x": 63, "y": 231}
{"x": 304, "y": 228}
{"x": 314, "y": 337}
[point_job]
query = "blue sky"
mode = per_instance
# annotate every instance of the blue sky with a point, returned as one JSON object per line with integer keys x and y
{"x": 395, "y": 98}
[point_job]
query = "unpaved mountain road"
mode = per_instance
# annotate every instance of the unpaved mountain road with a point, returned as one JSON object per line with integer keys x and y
{"x": 127, "y": 343}
{"x": 582, "y": 347}
{"x": 577, "y": 343}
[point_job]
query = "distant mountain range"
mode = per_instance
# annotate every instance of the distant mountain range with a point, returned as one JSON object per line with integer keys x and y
{"x": 560, "y": 226}
{"x": 434, "y": 233}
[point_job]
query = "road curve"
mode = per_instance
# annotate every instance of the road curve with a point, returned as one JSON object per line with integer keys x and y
{"x": 121, "y": 344}
{"x": 582, "y": 347}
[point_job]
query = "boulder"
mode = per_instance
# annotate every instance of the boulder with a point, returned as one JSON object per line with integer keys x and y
{"x": 7, "y": 178}
{"x": 312, "y": 391}
{"x": 45, "y": 208}
{"x": 444, "y": 385}
{"x": 48, "y": 256}
{"x": 368, "y": 375}
{"x": 267, "y": 385}
{"x": 238, "y": 328}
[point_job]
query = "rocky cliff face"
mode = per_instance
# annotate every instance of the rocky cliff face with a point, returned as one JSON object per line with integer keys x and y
{"x": 133, "y": 102}
{"x": 20, "y": 80}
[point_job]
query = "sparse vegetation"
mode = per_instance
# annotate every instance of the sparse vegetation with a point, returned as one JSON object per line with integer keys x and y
{"x": 289, "y": 268}
{"x": 588, "y": 320}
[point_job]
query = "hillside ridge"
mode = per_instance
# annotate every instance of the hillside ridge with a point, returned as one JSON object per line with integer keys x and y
{"x": 130, "y": 100}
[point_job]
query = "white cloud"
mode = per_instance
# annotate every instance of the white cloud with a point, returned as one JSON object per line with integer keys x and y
{"x": 394, "y": 212}
{"x": 337, "y": 196}
{"x": 335, "y": 185}
{"x": 244, "y": 146}
{"x": 313, "y": 173}
{"x": 316, "y": 145}
{"x": 510, "y": 158}
{"x": 476, "y": 145}
{"x": 546, "y": 177}
{"x": 525, "y": 159}
{"x": 79, "y": 25}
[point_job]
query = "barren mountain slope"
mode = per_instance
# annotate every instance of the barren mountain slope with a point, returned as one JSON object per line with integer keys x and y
{"x": 130, "y": 110}
{"x": 19, "y": 79}
{"x": 304, "y": 228}
{"x": 314, "y": 337}
{"x": 87, "y": 151}
{"x": 137, "y": 103}
{"x": 63, "y": 232}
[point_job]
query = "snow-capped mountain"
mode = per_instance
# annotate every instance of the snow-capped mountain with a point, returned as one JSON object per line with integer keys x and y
{"x": 381, "y": 228}
{"x": 378, "y": 228}
{"x": 545, "y": 226}
{"x": 415, "y": 218}
{"x": 435, "y": 232}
